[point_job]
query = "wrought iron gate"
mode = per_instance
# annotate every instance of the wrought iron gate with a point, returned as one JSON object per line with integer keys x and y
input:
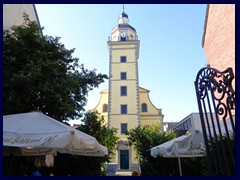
{"x": 216, "y": 103}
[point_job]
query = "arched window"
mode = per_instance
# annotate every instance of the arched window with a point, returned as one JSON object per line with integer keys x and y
{"x": 144, "y": 107}
{"x": 105, "y": 108}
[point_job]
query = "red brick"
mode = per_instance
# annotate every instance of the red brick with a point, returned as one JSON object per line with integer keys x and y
{"x": 219, "y": 39}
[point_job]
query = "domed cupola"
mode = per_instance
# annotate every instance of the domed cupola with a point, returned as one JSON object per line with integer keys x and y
{"x": 123, "y": 18}
{"x": 123, "y": 31}
{"x": 124, "y": 15}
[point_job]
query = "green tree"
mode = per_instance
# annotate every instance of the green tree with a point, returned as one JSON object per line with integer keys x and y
{"x": 41, "y": 74}
{"x": 143, "y": 138}
{"x": 221, "y": 156}
{"x": 94, "y": 125}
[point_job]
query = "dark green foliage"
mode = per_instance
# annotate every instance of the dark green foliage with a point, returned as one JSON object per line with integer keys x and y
{"x": 18, "y": 165}
{"x": 66, "y": 164}
{"x": 41, "y": 74}
{"x": 222, "y": 162}
{"x": 23, "y": 166}
{"x": 95, "y": 126}
{"x": 144, "y": 138}
{"x": 193, "y": 166}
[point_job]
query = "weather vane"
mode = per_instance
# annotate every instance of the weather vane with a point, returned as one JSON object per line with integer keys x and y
{"x": 123, "y": 8}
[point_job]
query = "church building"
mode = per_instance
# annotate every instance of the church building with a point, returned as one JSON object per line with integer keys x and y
{"x": 125, "y": 105}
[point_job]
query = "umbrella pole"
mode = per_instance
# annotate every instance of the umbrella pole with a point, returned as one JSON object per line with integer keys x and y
{"x": 179, "y": 164}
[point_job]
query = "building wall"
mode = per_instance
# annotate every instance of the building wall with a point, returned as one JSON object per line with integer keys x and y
{"x": 115, "y": 116}
{"x": 168, "y": 125}
{"x": 102, "y": 102}
{"x": 130, "y": 49}
{"x": 152, "y": 116}
{"x": 196, "y": 122}
{"x": 219, "y": 39}
{"x": 13, "y": 14}
{"x": 190, "y": 123}
{"x": 123, "y": 43}
{"x": 219, "y": 36}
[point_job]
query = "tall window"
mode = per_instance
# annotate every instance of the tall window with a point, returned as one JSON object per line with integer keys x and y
{"x": 123, "y": 90}
{"x": 105, "y": 107}
{"x": 123, "y": 75}
{"x": 123, "y": 109}
{"x": 123, "y": 59}
{"x": 144, "y": 107}
{"x": 123, "y": 128}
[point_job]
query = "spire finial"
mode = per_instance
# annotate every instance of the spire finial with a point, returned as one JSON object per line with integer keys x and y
{"x": 123, "y": 8}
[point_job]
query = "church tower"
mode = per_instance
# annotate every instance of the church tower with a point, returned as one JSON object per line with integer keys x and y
{"x": 125, "y": 105}
{"x": 123, "y": 96}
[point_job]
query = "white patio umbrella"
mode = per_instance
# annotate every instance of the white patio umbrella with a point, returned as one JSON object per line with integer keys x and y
{"x": 184, "y": 146}
{"x": 37, "y": 134}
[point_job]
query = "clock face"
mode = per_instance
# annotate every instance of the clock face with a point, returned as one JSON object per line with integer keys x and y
{"x": 123, "y": 33}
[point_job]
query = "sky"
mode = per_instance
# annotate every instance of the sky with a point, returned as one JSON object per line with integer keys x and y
{"x": 170, "y": 55}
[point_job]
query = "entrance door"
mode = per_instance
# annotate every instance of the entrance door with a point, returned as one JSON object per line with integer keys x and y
{"x": 124, "y": 159}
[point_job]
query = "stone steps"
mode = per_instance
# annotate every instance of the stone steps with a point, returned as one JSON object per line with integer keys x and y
{"x": 120, "y": 173}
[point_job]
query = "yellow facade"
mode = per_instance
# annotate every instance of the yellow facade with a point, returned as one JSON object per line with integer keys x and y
{"x": 124, "y": 104}
{"x": 152, "y": 116}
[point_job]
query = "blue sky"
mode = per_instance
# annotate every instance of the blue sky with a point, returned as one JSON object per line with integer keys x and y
{"x": 170, "y": 46}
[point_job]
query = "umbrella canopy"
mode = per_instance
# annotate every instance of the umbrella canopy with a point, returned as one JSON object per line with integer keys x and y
{"x": 35, "y": 133}
{"x": 184, "y": 146}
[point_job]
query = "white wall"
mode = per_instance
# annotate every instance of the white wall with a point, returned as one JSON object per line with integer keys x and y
{"x": 13, "y": 14}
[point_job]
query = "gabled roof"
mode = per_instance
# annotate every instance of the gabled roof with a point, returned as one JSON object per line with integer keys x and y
{"x": 143, "y": 90}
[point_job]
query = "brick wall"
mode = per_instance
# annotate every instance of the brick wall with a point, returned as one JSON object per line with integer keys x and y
{"x": 219, "y": 36}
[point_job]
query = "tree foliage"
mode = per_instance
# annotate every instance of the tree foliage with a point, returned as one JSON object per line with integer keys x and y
{"x": 41, "y": 74}
{"x": 93, "y": 125}
{"x": 222, "y": 156}
{"x": 143, "y": 138}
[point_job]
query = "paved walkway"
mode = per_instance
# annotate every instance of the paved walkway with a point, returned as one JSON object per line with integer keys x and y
{"x": 120, "y": 173}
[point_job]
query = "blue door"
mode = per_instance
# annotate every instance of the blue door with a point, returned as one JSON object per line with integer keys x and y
{"x": 124, "y": 159}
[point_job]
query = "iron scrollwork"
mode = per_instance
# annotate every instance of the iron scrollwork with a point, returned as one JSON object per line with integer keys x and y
{"x": 216, "y": 102}
{"x": 220, "y": 83}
